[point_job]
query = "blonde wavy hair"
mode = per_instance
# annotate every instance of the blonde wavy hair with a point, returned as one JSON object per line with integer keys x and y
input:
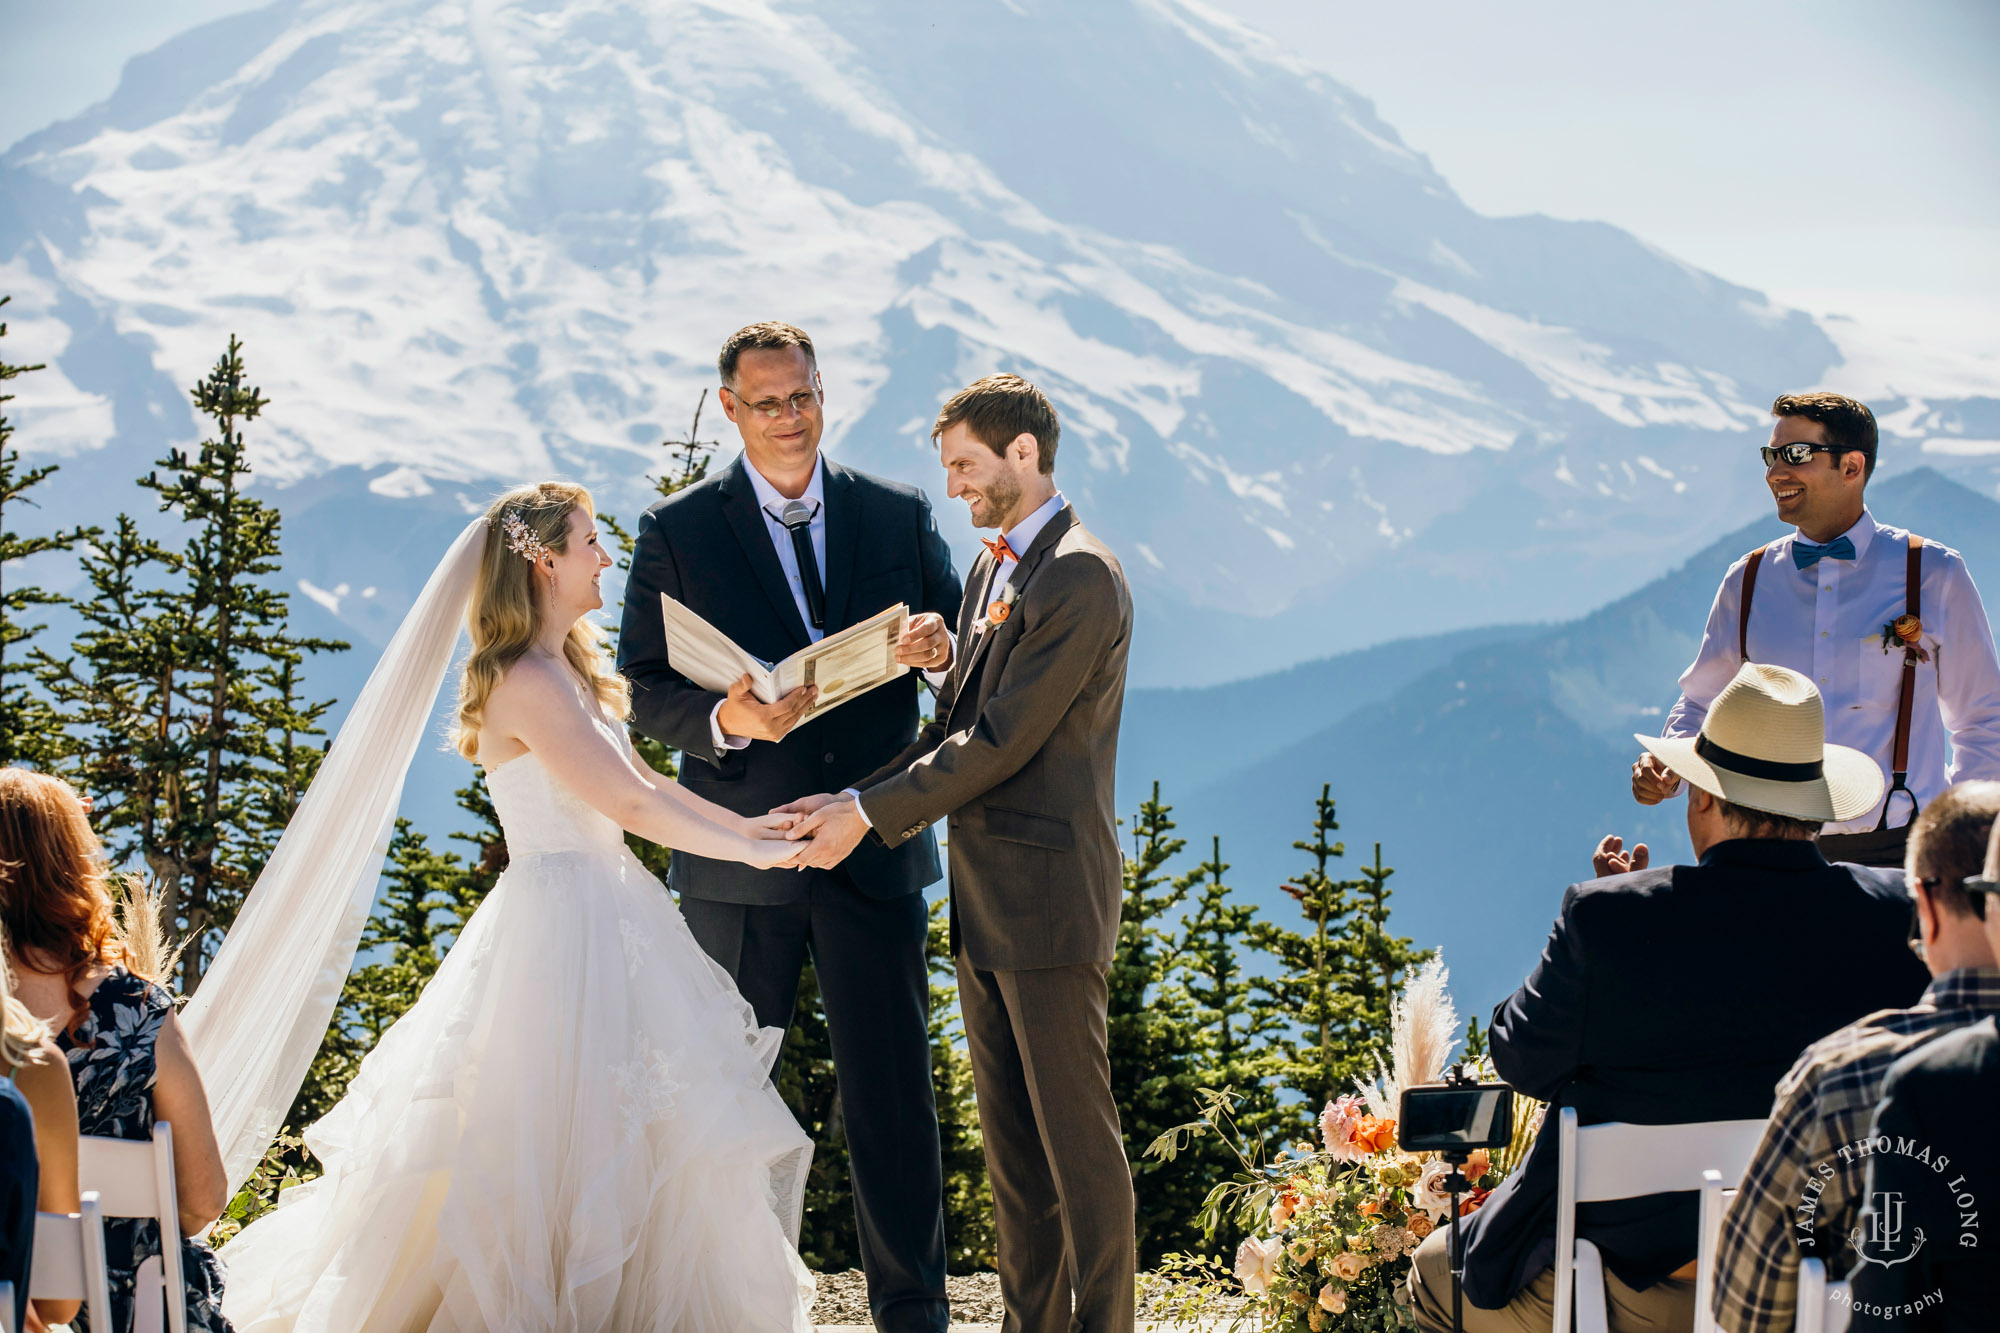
{"x": 21, "y": 1033}
{"x": 505, "y": 620}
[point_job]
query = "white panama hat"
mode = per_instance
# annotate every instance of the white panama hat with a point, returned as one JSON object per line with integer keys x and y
{"x": 1763, "y": 746}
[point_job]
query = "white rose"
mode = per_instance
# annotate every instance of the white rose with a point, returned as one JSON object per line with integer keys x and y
{"x": 1257, "y": 1263}
{"x": 1429, "y": 1193}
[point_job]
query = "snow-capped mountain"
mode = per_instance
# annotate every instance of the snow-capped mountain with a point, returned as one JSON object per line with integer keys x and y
{"x": 1312, "y": 398}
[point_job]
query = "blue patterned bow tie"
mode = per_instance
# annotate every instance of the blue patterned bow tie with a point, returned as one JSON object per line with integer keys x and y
{"x": 1805, "y": 555}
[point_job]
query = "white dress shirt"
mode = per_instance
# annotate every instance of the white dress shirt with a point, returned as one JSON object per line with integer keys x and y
{"x": 773, "y": 504}
{"x": 1826, "y": 623}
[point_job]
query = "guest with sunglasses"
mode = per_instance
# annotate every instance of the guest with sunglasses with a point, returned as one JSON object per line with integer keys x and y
{"x": 1802, "y": 1196}
{"x": 1943, "y": 1101}
{"x": 1887, "y": 625}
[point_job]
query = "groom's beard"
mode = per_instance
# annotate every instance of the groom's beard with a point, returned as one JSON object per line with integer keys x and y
{"x": 1000, "y": 499}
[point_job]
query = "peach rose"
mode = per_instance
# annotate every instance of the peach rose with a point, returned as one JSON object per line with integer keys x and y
{"x": 1348, "y": 1266}
{"x": 1478, "y": 1164}
{"x": 1337, "y": 1124}
{"x": 1257, "y": 1263}
{"x": 1281, "y": 1213}
{"x": 1421, "y": 1225}
{"x": 1430, "y": 1194}
{"x": 1332, "y": 1299}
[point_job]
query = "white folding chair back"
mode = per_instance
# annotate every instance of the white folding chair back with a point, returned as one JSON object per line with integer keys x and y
{"x": 1619, "y": 1161}
{"x": 69, "y": 1260}
{"x": 1823, "y": 1307}
{"x": 7, "y": 1308}
{"x": 135, "y": 1178}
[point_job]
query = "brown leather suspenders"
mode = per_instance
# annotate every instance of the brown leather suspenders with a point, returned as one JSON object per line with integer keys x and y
{"x": 1913, "y": 579}
{"x": 1755, "y": 558}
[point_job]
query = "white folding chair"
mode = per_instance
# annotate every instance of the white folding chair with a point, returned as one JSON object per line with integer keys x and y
{"x": 1824, "y": 1307}
{"x": 69, "y": 1260}
{"x": 7, "y": 1308}
{"x": 1619, "y": 1161}
{"x": 135, "y": 1178}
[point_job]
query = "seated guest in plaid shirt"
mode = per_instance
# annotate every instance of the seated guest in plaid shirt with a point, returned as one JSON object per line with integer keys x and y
{"x": 1802, "y": 1195}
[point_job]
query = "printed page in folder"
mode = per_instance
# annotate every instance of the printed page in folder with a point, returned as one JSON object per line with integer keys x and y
{"x": 843, "y": 666}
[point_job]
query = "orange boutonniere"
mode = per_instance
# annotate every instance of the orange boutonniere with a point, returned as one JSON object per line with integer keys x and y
{"x": 1906, "y": 631}
{"x": 1002, "y": 607}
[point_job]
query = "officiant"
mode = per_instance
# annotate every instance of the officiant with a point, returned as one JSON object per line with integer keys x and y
{"x": 1887, "y": 625}
{"x": 778, "y": 550}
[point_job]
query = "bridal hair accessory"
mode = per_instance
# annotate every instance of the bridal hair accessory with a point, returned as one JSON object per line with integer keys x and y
{"x": 524, "y": 543}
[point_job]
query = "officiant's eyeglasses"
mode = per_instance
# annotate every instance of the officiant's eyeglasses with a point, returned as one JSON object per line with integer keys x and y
{"x": 1795, "y": 454}
{"x": 802, "y": 402}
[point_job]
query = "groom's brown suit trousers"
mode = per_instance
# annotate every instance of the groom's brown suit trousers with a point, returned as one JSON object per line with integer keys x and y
{"x": 1021, "y": 757}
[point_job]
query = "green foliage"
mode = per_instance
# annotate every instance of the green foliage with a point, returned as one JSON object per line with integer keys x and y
{"x": 180, "y": 699}
{"x": 27, "y": 722}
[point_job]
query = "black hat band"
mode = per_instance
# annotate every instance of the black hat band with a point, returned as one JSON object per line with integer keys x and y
{"x": 1748, "y": 766}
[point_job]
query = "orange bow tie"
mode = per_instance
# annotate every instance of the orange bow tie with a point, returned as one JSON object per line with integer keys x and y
{"x": 1002, "y": 552}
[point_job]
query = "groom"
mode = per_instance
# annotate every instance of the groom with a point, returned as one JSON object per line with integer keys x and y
{"x": 1020, "y": 757}
{"x": 780, "y": 549}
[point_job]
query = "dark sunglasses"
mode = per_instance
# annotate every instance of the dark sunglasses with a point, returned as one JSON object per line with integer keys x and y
{"x": 1976, "y": 889}
{"x": 1795, "y": 454}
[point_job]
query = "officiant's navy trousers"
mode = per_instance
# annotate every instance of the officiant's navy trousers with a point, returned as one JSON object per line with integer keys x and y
{"x": 874, "y": 981}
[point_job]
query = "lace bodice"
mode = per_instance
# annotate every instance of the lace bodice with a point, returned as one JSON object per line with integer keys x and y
{"x": 539, "y": 815}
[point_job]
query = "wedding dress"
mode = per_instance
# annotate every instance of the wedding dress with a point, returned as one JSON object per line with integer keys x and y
{"x": 572, "y": 1129}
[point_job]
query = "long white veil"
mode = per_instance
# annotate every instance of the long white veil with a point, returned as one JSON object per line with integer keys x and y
{"x": 262, "y": 1010}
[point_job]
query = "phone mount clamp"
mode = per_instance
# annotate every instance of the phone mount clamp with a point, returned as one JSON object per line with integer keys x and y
{"x": 1456, "y": 1184}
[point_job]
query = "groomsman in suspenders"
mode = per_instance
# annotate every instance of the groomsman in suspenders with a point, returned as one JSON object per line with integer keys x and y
{"x": 1887, "y": 624}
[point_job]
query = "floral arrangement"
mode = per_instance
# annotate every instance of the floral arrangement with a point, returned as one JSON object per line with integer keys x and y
{"x": 1332, "y": 1224}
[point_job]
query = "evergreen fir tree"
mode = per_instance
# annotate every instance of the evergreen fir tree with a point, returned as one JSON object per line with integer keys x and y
{"x": 1222, "y": 992}
{"x": 27, "y": 723}
{"x": 1156, "y": 1041}
{"x": 180, "y": 704}
{"x": 1320, "y": 1054}
{"x": 1376, "y": 961}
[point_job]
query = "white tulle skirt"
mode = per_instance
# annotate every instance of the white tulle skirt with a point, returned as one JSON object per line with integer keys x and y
{"x": 574, "y": 1129}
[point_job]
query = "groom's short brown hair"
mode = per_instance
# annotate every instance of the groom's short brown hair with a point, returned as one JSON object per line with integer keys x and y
{"x": 999, "y": 408}
{"x": 770, "y": 336}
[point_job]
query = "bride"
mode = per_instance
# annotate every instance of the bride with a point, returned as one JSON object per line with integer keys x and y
{"x": 574, "y": 1127}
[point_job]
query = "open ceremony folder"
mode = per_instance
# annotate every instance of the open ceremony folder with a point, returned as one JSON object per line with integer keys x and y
{"x": 844, "y": 665}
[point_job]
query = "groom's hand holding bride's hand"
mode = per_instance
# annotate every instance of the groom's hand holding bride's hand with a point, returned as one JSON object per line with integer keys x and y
{"x": 832, "y": 823}
{"x": 773, "y": 847}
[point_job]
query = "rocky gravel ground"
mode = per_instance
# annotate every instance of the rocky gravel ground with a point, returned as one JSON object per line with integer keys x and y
{"x": 843, "y": 1298}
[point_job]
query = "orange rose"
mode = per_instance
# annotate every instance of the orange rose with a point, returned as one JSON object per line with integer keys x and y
{"x": 1472, "y": 1202}
{"x": 1373, "y": 1135}
{"x": 1908, "y": 628}
{"x": 998, "y": 612}
{"x": 1478, "y": 1164}
{"x": 1371, "y": 1207}
{"x": 1421, "y": 1225}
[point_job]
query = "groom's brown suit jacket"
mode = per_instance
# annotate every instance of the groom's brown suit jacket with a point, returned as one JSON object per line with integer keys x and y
{"x": 1021, "y": 756}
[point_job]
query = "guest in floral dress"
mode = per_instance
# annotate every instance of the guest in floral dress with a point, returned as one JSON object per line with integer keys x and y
{"x": 85, "y": 974}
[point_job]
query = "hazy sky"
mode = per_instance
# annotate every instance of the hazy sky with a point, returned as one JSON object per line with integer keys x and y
{"x": 1843, "y": 155}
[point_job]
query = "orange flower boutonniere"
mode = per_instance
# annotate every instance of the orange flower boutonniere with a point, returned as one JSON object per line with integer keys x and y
{"x": 1907, "y": 632}
{"x": 1002, "y": 607}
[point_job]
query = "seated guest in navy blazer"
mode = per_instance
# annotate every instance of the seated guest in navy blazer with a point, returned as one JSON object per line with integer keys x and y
{"x": 19, "y": 1177}
{"x": 1923, "y": 1253}
{"x": 1682, "y": 994}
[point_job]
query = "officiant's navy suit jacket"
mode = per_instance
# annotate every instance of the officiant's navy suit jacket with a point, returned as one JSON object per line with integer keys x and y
{"x": 1678, "y": 994}
{"x": 709, "y": 548}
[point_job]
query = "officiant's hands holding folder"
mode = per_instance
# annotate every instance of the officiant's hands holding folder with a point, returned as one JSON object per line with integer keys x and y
{"x": 744, "y": 714}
